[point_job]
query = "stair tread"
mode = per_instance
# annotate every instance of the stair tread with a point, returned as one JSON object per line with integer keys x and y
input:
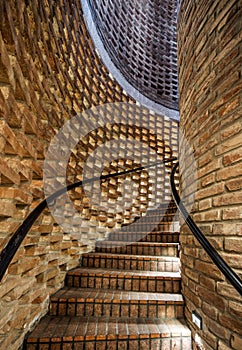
{"x": 118, "y": 296}
{"x": 92, "y": 271}
{"x": 130, "y": 257}
{"x": 68, "y": 328}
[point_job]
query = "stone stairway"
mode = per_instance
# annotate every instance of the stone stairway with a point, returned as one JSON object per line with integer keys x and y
{"x": 124, "y": 296}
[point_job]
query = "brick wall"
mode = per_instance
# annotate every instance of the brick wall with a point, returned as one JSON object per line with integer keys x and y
{"x": 210, "y": 54}
{"x": 49, "y": 72}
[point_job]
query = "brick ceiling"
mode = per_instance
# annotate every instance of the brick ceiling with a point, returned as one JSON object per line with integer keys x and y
{"x": 140, "y": 38}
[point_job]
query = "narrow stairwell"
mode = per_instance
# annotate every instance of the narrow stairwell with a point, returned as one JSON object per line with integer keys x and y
{"x": 124, "y": 296}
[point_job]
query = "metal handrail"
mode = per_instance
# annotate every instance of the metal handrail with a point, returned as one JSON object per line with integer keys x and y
{"x": 17, "y": 238}
{"x": 232, "y": 277}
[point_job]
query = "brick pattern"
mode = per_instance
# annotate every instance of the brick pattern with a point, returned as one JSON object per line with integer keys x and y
{"x": 168, "y": 335}
{"x": 127, "y": 262}
{"x": 143, "y": 48}
{"x": 84, "y": 302}
{"x": 111, "y": 303}
{"x": 210, "y": 49}
{"x": 124, "y": 247}
{"x": 125, "y": 280}
{"x": 49, "y": 72}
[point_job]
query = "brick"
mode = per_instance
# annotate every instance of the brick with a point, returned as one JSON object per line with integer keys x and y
{"x": 235, "y": 184}
{"x": 205, "y": 204}
{"x": 207, "y": 282}
{"x": 231, "y": 213}
{"x": 209, "y": 168}
{"x": 6, "y": 61}
{"x": 12, "y": 145}
{"x": 232, "y": 259}
{"x": 211, "y": 298}
{"x": 222, "y": 346}
{"x": 224, "y": 229}
{"x": 228, "y": 199}
{"x": 208, "y": 180}
{"x": 233, "y": 157}
{"x": 236, "y": 342}
{"x": 229, "y": 172}
{"x": 24, "y": 171}
{"x": 9, "y": 284}
{"x": 210, "y": 311}
{"x": 235, "y": 308}
{"x": 24, "y": 266}
{"x": 230, "y": 323}
{"x": 217, "y": 330}
{"x": 233, "y": 244}
{"x": 228, "y": 145}
{"x": 205, "y": 267}
{"x": 210, "y": 191}
{"x": 7, "y": 208}
{"x": 231, "y": 131}
{"x": 22, "y": 289}
{"x": 7, "y": 174}
{"x": 16, "y": 194}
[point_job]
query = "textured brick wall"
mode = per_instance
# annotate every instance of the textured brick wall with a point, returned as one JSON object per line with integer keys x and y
{"x": 49, "y": 72}
{"x": 210, "y": 56}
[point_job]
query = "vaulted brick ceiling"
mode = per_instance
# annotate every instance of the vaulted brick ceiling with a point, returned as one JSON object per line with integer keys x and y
{"x": 140, "y": 38}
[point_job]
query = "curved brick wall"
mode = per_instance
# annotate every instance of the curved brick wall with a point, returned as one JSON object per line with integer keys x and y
{"x": 210, "y": 53}
{"x": 49, "y": 72}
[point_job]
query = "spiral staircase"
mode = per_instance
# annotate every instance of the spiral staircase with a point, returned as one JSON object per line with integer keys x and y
{"x": 125, "y": 295}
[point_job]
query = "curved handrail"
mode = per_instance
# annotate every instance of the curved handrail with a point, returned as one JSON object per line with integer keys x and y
{"x": 233, "y": 278}
{"x": 17, "y": 238}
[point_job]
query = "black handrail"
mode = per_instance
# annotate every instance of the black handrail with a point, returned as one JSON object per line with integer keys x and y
{"x": 17, "y": 238}
{"x": 232, "y": 277}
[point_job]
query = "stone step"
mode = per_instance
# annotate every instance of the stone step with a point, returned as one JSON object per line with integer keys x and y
{"x": 100, "y": 302}
{"x": 139, "y": 248}
{"x": 159, "y": 237}
{"x": 143, "y": 281}
{"x": 102, "y": 333}
{"x": 130, "y": 262}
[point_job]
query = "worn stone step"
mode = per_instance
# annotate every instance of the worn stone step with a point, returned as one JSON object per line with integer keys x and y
{"x": 102, "y": 333}
{"x": 130, "y": 262}
{"x": 139, "y": 248}
{"x": 159, "y": 237}
{"x": 143, "y": 281}
{"x": 101, "y": 302}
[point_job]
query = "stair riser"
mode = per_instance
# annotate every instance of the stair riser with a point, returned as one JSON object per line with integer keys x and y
{"x": 112, "y": 309}
{"x": 152, "y": 226}
{"x": 129, "y": 284}
{"x": 126, "y": 264}
{"x": 178, "y": 343}
{"x": 137, "y": 237}
{"x": 139, "y": 250}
